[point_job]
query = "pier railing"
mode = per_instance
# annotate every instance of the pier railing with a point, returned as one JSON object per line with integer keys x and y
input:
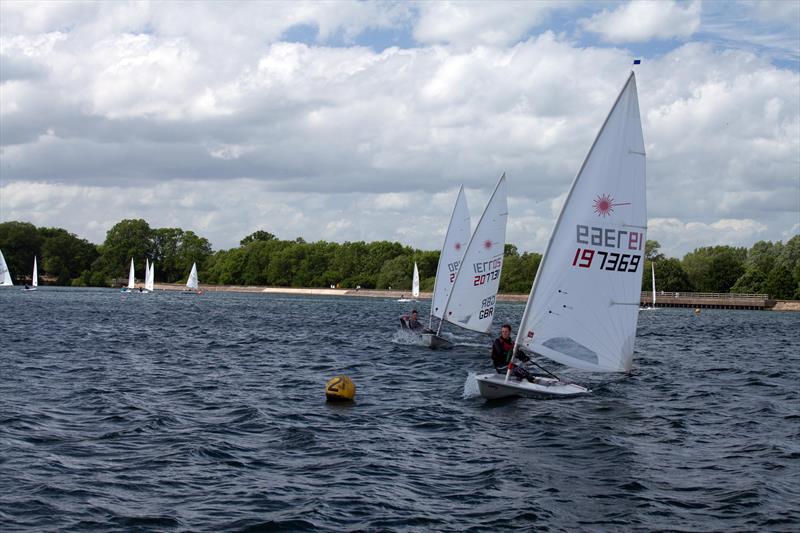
{"x": 707, "y": 299}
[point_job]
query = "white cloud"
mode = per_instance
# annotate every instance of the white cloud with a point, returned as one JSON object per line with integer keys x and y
{"x": 474, "y": 23}
{"x": 643, "y": 20}
{"x": 678, "y": 237}
{"x": 305, "y": 139}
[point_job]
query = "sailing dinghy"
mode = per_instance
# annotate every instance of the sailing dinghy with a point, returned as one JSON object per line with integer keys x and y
{"x": 34, "y": 278}
{"x": 192, "y": 284}
{"x": 5, "y": 275}
{"x": 149, "y": 277}
{"x": 131, "y": 280}
{"x": 455, "y": 243}
{"x": 584, "y": 303}
{"x": 472, "y": 298}
{"x": 653, "y": 301}
{"x": 414, "y": 287}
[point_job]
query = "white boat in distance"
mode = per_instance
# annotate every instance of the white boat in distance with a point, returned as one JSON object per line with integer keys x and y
{"x": 192, "y": 284}
{"x": 584, "y": 303}
{"x": 5, "y": 275}
{"x": 414, "y": 287}
{"x": 34, "y": 278}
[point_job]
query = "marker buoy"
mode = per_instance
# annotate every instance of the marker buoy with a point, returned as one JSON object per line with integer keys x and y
{"x": 340, "y": 389}
{"x": 697, "y": 310}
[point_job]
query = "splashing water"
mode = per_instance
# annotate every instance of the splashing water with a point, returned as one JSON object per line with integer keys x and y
{"x": 403, "y": 336}
{"x": 471, "y": 386}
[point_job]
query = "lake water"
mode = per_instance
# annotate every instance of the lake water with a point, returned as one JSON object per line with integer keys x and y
{"x": 170, "y": 412}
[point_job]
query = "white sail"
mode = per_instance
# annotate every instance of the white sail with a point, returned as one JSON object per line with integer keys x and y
{"x": 584, "y": 303}
{"x": 415, "y": 282}
{"x": 150, "y": 277}
{"x": 653, "y": 269}
{"x": 472, "y": 298}
{"x": 455, "y": 243}
{"x": 35, "y": 273}
{"x": 192, "y": 281}
{"x": 5, "y": 275}
{"x": 131, "y": 278}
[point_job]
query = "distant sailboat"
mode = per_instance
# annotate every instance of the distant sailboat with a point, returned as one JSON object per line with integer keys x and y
{"x": 149, "y": 278}
{"x": 414, "y": 287}
{"x": 5, "y": 275}
{"x": 471, "y": 301}
{"x": 34, "y": 278}
{"x": 192, "y": 283}
{"x": 653, "y": 301}
{"x": 455, "y": 243}
{"x": 131, "y": 279}
{"x": 584, "y": 304}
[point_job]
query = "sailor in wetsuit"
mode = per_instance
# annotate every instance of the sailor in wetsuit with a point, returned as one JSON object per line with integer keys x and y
{"x": 502, "y": 350}
{"x": 412, "y": 322}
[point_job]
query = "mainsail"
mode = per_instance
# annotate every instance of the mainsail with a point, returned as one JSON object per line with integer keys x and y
{"x": 150, "y": 277}
{"x": 455, "y": 242}
{"x": 131, "y": 278}
{"x": 653, "y": 269}
{"x": 584, "y": 303}
{"x": 5, "y": 275}
{"x": 35, "y": 281}
{"x": 192, "y": 281}
{"x": 415, "y": 282}
{"x": 472, "y": 298}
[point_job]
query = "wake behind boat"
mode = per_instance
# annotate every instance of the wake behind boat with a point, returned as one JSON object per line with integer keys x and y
{"x": 584, "y": 303}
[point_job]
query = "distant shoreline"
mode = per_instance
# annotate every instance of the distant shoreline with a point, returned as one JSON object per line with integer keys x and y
{"x": 731, "y": 302}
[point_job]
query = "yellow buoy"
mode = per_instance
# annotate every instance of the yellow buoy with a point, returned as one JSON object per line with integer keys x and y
{"x": 340, "y": 389}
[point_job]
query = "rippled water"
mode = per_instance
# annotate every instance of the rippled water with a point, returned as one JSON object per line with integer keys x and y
{"x": 171, "y": 412}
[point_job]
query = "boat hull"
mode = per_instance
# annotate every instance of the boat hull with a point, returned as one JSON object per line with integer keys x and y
{"x": 495, "y": 386}
{"x": 433, "y": 341}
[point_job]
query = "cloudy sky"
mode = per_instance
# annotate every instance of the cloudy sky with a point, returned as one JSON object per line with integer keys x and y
{"x": 359, "y": 120}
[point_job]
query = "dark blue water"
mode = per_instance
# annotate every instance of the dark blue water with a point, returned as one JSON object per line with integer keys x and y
{"x": 168, "y": 412}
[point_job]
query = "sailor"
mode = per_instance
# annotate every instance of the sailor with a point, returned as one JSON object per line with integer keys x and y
{"x": 502, "y": 349}
{"x": 413, "y": 322}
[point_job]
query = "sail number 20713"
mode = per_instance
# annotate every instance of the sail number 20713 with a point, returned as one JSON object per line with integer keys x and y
{"x": 584, "y": 257}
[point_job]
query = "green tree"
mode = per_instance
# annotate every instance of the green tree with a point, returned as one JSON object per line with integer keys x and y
{"x": 670, "y": 276}
{"x": 125, "y": 240}
{"x": 259, "y": 235}
{"x": 20, "y": 242}
{"x": 780, "y": 283}
{"x": 396, "y": 273}
{"x": 651, "y": 251}
{"x": 518, "y": 272}
{"x": 715, "y": 268}
{"x": 65, "y": 256}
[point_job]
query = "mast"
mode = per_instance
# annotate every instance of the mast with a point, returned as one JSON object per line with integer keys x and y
{"x": 653, "y": 268}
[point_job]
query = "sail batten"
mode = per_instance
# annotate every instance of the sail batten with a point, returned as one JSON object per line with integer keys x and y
{"x": 583, "y": 306}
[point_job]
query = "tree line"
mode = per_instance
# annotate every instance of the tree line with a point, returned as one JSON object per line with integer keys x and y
{"x": 263, "y": 259}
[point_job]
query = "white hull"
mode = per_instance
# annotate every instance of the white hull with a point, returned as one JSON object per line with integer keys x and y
{"x": 494, "y": 386}
{"x": 29, "y": 289}
{"x": 433, "y": 341}
{"x": 405, "y": 300}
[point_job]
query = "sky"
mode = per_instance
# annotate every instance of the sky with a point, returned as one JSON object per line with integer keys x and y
{"x": 349, "y": 121}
